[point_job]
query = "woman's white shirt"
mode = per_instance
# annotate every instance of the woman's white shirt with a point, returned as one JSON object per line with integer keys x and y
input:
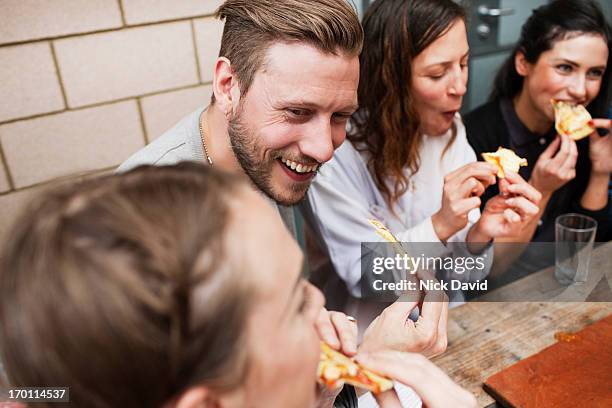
{"x": 344, "y": 197}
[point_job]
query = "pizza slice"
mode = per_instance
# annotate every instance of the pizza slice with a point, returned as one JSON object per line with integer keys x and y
{"x": 505, "y": 160}
{"x": 336, "y": 369}
{"x": 572, "y": 120}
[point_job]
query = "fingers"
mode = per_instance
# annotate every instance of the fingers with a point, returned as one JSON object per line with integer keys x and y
{"x": 399, "y": 310}
{"x": 521, "y": 187}
{"x": 434, "y": 387}
{"x": 429, "y": 321}
{"x": 570, "y": 162}
{"x": 483, "y": 171}
{"x": 403, "y": 367}
{"x": 551, "y": 149}
{"x": 511, "y": 216}
{"x": 513, "y": 178}
{"x": 335, "y": 329}
{"x": 471, "y": 187}
{"x": 562, "y": 153}
{"x": 346, "y": 331}
{"x": 442, "y": 337}
{"x": 503, "y": 185}
{"x": 496, "y": 204}
{"x": 326, "y": 330}
{"x": 466, "y": 205}
{"x": 602, "y": 123}
{"x": 523, "y": 206}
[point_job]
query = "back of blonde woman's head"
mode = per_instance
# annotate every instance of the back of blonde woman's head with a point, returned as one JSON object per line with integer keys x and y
{"x": 97, "y": 289}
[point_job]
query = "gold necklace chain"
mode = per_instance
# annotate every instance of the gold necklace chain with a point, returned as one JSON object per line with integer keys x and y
{"x": 202, "y": 137}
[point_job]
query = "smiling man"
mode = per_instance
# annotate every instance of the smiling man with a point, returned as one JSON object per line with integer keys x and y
{"x": 285, "y": 84}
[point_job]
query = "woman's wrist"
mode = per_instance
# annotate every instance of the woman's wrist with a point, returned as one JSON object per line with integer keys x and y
{"x": 595, "y": 196}
{"x": 599, "y": 177}
{"x": 441, "y": 228}
{"x": 477, "y": 235}
{"x": 477, "y": 238}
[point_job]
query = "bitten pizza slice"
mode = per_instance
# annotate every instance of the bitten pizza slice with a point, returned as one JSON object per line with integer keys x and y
{"x": 505, "y": 160}
{"x": 336, "y": 369}
{"x": 572, "y": 120}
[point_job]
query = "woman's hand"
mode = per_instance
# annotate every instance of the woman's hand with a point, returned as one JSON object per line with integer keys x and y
{"x": 428, "y": 381}
{"x": 462, "y": 190}
{"x": 555, "y": 166}
{"x": 600, "y": 148}
{"x": 506, "y": 214}
{"x": 340, "y": 333}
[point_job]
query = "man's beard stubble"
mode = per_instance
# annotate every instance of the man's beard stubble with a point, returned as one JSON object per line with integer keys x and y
{"x": 245, "y": 148}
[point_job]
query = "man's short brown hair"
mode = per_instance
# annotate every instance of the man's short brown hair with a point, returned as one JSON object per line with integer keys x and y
{"x": 251, "y": 26}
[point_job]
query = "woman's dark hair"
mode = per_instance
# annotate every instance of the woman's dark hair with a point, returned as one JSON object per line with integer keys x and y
{"x": 387, "y": 124}
{"x": 559, "y": 20}
{"x": 102, "y": 286}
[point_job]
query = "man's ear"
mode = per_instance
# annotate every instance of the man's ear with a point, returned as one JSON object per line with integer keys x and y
{"x": 225, "y": 86}
{"x": 197, "y": 397}
{"x": 521, "y": 64}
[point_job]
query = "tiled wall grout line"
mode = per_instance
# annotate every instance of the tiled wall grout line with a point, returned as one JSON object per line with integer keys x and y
{"x": 195, "y": 50}
{"x": 106, "y": 30}
{"x": 72, "y": 177}
{"x": 142, "y": 121}
{"x": 7, "y": 171}
{"x": 122, "y": 11}
{"x": 95, "y": 105}
{"x": 59, "y": 74}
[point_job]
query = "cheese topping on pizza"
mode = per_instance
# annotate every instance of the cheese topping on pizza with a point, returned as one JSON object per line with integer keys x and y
{"x": 505, "y": 160}
{"x": 336, "y": 369}
{"x": 572, "y": 120}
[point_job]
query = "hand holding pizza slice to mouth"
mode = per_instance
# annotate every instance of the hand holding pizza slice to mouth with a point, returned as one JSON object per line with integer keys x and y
{"x": 572, "y": 120}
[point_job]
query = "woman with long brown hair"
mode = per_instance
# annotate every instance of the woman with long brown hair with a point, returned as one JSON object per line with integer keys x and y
{"x": 408, "y": 162}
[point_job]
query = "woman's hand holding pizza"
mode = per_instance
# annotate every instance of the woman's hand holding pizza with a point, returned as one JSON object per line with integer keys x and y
{"x": 506, "y": 214}
{"x": 555, "y": 166}
{"x": 340, "y": 332}
{"x": 600, "y": 148}
{"x": 416, "y": 371}
{"x": 462, "y": 190}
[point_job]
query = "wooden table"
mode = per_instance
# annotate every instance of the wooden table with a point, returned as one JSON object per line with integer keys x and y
{"x": 486, "y": 337}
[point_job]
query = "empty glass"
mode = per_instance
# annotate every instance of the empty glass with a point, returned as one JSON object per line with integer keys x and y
{"x": 574, "y": 238}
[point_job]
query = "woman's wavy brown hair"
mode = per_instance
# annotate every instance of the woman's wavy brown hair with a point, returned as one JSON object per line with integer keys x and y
{"x": 387, "y": 124}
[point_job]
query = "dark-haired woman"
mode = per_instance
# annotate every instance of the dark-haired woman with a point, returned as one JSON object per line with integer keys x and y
{"x": 407, "y": 161}
{"x": 563, "y": 54}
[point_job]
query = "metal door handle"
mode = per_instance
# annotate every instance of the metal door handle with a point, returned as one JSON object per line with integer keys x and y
{"x": 494, "y": 12}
